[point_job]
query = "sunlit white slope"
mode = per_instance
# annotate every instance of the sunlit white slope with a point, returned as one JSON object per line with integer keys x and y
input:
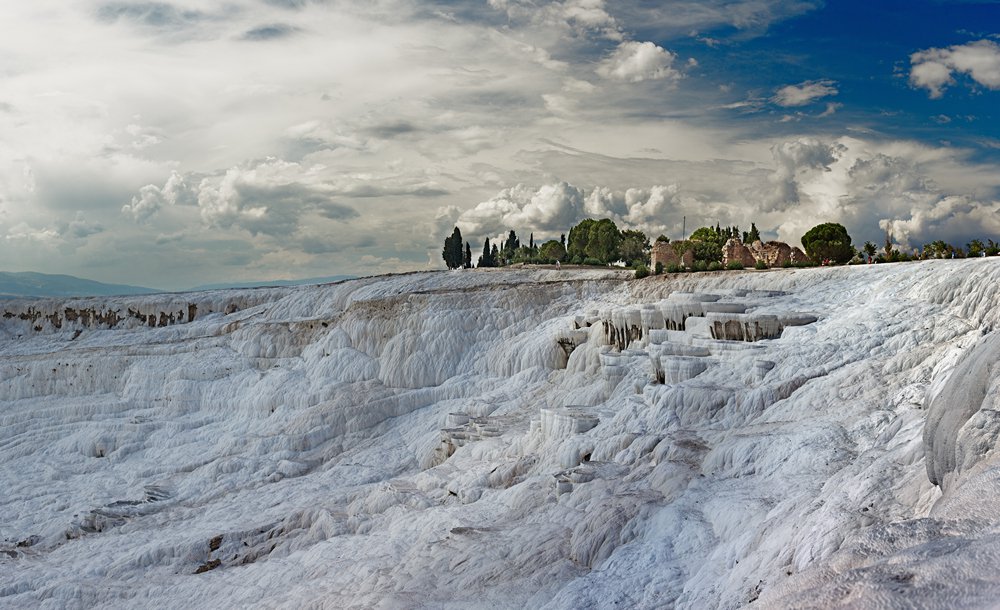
{"x": 508, "y": 439}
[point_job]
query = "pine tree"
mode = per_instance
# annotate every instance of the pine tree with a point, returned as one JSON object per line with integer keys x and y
{"x": 468, "y": 256}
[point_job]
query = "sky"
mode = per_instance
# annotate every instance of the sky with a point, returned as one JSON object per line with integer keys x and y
{"x": 176, "y": 143}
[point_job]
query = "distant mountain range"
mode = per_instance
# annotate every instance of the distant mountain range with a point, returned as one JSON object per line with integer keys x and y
{"x": 29, "y": 284}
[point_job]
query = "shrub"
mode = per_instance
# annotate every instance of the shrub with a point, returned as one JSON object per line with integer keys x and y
{"x": 700, "y": 266}
{"x": 593, "y": 261}
{"x": 760, "y": 265}
{"x": 641, "y": 271}
{"x": 674, "y": 268}
{"x": 658, "y": 270}
{"x": 734, "y": 265}
{"x": 787, "y": 264}
{"x": 715, "y": 266}
{"x": 576, "y": 260}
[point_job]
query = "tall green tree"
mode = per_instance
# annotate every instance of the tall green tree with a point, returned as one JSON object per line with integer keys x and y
{"x": 452, "y": 253}
{"x": 828, "y": 241}
{"x": 605, "y": 239}
{"x": 579, "y": 237}
{"x": 509, "y": 248}
{"x": 552, "y": 251}
{"x": 486, "y": 259}
{"x": 707, "y": 234}
{"x": 752, "y": 235}
{"x": 468, "y": 256}
{"x": 634, "y": 248}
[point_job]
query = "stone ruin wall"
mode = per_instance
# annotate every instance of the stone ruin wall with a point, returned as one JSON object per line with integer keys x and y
{"x": 772, "y": 254}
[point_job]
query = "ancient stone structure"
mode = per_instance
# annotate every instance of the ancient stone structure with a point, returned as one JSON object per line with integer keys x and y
{"x": 773, "y": 253}
{"x": 735, "y": 251}
{"x": 666, "y": 253}
{"x": 663, "y": 253}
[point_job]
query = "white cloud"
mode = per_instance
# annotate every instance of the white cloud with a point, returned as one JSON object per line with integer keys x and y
{"x": 24, "y": 231}
{"x": 144, "y": 205}
{"x": 793, "y": 160}
{"x": 933, "y": 69}
{"x": 804, "y": 93}
{"x": 634, "y": 62}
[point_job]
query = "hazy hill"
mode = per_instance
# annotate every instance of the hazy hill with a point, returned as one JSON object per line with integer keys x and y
{"x": 30, "y": 284}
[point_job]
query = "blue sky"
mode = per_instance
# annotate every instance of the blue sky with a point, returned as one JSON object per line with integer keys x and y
{"x": 173, "y": 143}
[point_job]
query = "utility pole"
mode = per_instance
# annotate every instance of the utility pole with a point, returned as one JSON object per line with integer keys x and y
{"x": 684, "y": 231}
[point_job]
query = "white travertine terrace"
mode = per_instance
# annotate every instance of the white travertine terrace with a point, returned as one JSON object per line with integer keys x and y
{"x": 515, "y": 438}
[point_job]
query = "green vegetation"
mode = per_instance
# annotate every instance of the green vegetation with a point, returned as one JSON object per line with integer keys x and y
{"x": 453, "y": 253}
{"x": 634, "y": 248}
{"x": 828, "y": 242}
{"x": 552, "y": 251}
{"x": 600, "y": 243}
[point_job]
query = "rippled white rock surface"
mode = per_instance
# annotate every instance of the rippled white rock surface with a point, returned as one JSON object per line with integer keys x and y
{"x": 520, "y": 438}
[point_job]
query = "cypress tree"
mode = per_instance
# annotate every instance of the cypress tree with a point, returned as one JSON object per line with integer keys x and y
{"x": 486, "y": 260}
{"x": 452, "y": 252}
{"x": 468, "y": 256}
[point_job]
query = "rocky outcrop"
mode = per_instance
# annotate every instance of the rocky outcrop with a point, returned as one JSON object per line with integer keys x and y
{"x": 735, "y": 252}
{"x": 798, "y": 256}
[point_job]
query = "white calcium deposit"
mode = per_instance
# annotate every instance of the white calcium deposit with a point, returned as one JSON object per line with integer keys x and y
{"x": 510, "y": 439}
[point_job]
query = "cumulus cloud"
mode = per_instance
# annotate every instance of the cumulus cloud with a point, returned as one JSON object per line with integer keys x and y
{"x": 151, "y": 198}
{"x": 634, "y": 62}
{"x": 804, "y": 93}
{"x": 80, "y": 227}
{"x": 24, "y": 231}
{"x": 575, "y": 15}
{"x": 933, "y": 69}
{"x": 955, "y": 219}
{"x": 792, "y": 160}
{"x": 144, "y": 205}
{"x": 553, "y": 209}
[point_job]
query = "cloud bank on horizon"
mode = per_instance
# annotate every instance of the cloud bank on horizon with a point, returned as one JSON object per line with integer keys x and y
{"x": 178, "y": 142}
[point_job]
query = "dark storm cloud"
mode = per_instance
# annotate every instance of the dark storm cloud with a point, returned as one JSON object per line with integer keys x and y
{"x": 337, "y": 211}
{"x": 392, "y": 129}
{"x": 287, "y": 4}
{"x": 160, "y": 15}
{"x": 272, "y": 31}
